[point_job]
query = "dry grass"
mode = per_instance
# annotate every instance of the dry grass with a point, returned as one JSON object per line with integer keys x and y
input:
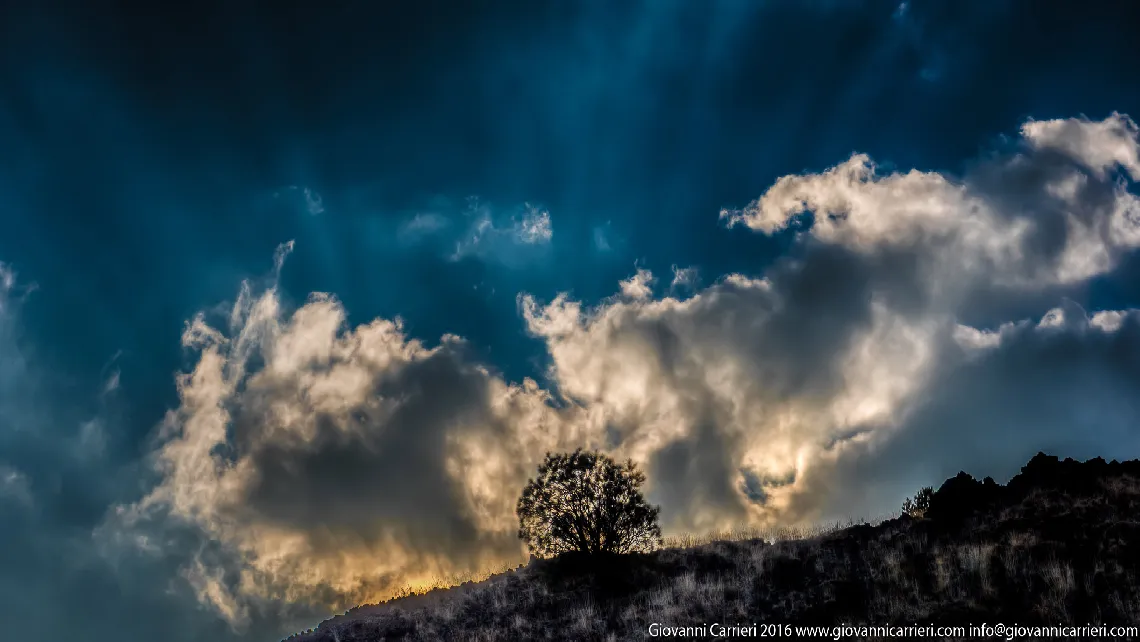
{"x": 778, "y": 533}
{"x": 748, "y": 580}
{"x": 743, "y": 533}
{"x": 1046, "y": 557}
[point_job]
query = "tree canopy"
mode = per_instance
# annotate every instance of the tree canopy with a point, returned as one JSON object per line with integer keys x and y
{"x": 586, "y": 502}
{"x": 918, "y": 505}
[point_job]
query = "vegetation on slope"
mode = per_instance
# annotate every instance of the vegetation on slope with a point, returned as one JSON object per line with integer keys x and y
{"x": 1060, "y": 543}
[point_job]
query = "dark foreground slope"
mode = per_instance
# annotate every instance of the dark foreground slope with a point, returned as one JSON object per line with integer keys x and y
{"x": 1058, "y": 544}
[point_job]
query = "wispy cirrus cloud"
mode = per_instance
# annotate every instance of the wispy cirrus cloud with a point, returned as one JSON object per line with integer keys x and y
{"x": 521, "y": 238}
{"x": 310, "y": 199}
{"x": 483, "y": 232}
{"x": 422, "y": 224}
{"x": 687, "y": 277}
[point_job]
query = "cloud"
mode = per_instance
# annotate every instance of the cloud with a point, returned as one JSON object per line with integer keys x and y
{"x": 684, "y": 277}
{"x": 482, "y": 232}
{"x": 112, "y": 383}
{"x": 1031, "y": 220}
{"x": 112, "y": 374}
{"x": 313, "y": 202}
{"x": 304, "y": 451}
{"x": 421, "y": 225}
{"x": 13, "y": 292}
{"x": 15, "y": 483}
{"x": 521, "y": 239}
{"x": 778, "y": 399}
{"x": 534, "y": 227}
{"x": 742, "y": 376}
{"x": 92, "y": 439}
{"x": 601, "y": 238}
{"x": 638, "y": 285}
{"x": 335, "y": 464}
{"x": 1099, "y": 146}
{"x": 1063, "y": 383}
{"x": 7, "y": 282}
{"x": 57, "y": 477}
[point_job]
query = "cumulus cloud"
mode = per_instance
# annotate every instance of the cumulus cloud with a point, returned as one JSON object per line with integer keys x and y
{"x": 1099, "y": 146}
{"x": 1065, "y": 382}
{"x": 608, "y": 239}
{"x": 336, "y": 464}
{"x": 1049, "y": 215}
{"x": 332, "y": 464}
{"x": 794, "y": 396}
{"x": 638, "y": 285}
{"x": 739, "y": 385}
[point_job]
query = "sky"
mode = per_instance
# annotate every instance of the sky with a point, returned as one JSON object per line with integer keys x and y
{"x": 294, "y": 297}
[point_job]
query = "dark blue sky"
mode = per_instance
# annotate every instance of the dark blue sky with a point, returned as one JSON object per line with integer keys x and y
{"x": 143, "y": 145}
{"x": 153, "y": 155}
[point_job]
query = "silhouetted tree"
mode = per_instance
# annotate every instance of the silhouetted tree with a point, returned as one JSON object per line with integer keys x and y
{"x": 917, "y": 506}
{"x": 586, "y": 502}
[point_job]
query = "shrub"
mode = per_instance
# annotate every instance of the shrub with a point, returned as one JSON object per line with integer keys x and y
{"x": 917, "y": 506}
{"x": 586, "y": 502}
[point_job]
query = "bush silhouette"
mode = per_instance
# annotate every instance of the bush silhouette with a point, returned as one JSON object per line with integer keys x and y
{"x": 585, "y": 502}
{"x": 917, "y": 506}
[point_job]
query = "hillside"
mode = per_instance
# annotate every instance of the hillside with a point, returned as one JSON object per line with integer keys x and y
{"x": 1058, "y": 544}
